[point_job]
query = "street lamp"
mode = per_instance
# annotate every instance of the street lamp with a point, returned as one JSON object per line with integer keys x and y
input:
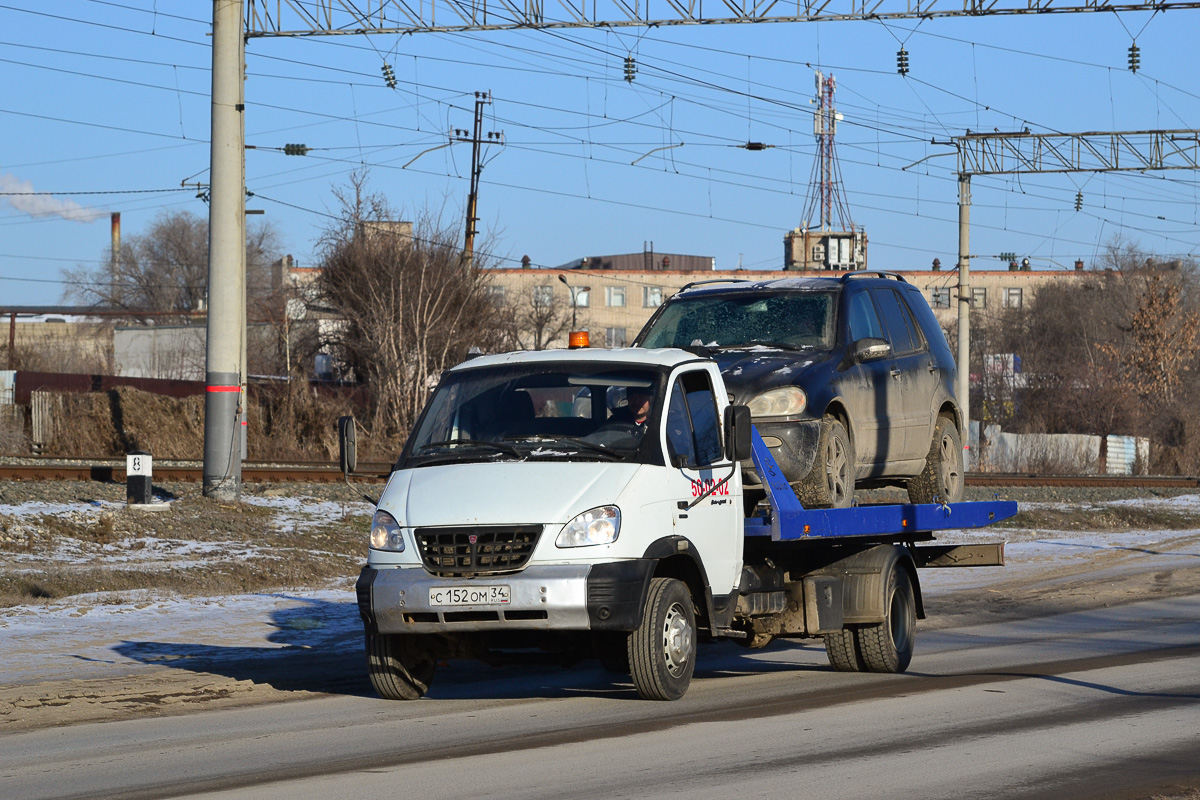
{"x": 574, "y": 290}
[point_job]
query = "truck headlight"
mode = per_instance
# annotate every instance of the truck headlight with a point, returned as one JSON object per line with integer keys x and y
{"x": 385, "y": 533}
{"x": 785, "y": 401}
{"x": 595, "y": 526}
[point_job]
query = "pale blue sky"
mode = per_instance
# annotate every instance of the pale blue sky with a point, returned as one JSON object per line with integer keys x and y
{"x": 113, "y": 96}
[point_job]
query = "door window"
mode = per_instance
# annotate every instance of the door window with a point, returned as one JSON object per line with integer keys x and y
{"x": 693, "y": 426}
{"x": 864, "y": 322}
{"x": 899, "y": 322}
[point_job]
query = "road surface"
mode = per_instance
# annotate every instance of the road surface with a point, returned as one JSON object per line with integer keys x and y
{"x": 1088, "y": 703}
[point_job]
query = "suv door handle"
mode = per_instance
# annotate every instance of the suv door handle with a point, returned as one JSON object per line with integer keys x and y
{"x": 932, "y": 367}
{"x": 895, "y": 373}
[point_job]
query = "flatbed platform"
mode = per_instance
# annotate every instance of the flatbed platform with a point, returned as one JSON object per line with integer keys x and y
{"x": 790, "y": 521}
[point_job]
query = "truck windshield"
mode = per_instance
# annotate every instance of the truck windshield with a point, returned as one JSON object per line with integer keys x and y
{"x": 784, "y": 320}
{"x": 536, "y": 411}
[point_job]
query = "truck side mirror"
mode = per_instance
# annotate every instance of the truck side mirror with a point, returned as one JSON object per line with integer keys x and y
{"x": 737, "y": 432}
{"x": 871, "y": 349}
{"x": 347, "y": 444}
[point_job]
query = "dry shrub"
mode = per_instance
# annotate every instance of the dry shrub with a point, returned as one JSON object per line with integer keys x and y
{"x": 286, "y": 422}
{"x": 297, "y": 421}
{"x": 82, "y": 426}
{"x": 13, "y": 439}
{"x": 167, "y": 427}
{"x": 294, "y": 421}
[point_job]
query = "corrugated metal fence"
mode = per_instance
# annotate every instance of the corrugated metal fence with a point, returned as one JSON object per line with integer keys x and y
{"x": 1056, "y": 454}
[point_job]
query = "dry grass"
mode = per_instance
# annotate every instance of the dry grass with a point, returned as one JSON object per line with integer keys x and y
{"x": 1105, "y": 518}
{"x": 199, "y": 547}
{"x": 287, "y": 422}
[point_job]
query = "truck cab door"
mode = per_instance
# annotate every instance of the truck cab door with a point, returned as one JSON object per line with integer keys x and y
{"x": 695, "y": 448}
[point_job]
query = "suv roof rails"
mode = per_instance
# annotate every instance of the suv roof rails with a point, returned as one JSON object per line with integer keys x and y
{"x": 873, "y": 274}
{"x": 687, "y": 286}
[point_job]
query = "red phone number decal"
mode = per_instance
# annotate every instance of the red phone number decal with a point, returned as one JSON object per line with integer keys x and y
{"x": 699, "y": 487}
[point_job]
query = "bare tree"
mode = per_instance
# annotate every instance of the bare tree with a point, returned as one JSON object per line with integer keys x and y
{"x": 1112, "y": 353}
{"x": 406, "y": 305}
{"x": 538, "y": 318}
{"x": 165, "y": 269}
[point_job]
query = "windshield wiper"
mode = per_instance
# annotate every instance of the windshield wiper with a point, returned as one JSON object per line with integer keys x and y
{"x": 574, "y": 440}
{"x": 500, "y": 446}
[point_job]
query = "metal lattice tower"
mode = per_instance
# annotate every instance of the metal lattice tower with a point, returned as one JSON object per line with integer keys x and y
{"x": 825, "y": 194}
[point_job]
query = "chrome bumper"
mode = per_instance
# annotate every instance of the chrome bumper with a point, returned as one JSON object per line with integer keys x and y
{"x": 542, "y": 597}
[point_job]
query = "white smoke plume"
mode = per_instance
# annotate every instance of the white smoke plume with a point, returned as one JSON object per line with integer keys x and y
{"x": 43, "y": 205}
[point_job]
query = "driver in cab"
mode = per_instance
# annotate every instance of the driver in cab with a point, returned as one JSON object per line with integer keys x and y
{"x": 637, "y": 411}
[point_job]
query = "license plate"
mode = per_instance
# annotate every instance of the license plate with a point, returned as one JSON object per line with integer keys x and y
{"x": 468, "y": 595}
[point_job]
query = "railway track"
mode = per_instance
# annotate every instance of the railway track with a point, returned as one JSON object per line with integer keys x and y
{"x": 105, "y": 470}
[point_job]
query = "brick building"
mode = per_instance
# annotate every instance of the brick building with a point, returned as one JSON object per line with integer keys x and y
{"x": 613, "y": 305}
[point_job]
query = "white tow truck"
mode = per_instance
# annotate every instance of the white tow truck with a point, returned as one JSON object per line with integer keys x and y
{"x": 535, "y": 509}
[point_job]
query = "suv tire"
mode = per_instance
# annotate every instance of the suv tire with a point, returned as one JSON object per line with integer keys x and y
{"x": 942, "y": 479}
{"x": 830, "y": 482}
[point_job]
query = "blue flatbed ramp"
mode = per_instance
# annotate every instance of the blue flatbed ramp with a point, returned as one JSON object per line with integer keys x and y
{"x": 791, "y": 521}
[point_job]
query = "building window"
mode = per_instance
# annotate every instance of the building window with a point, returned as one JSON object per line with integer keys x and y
{"x": 651, "y": 296}
{"x": 543, "y": 296}
{"x": 614, "y": 337}
{"x": 614, "y": 295}
{"x": 978, "y": 297}
{"x": 1012, "y": 297}
{"x": 941, "y": 298}
{"x": 495, "y": 294}
{"x": 581, "y": 298}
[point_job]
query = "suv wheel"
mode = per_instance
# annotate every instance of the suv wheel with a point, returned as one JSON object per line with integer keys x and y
{"x": 830, "y": 482}
{"x": 942, "y": 478}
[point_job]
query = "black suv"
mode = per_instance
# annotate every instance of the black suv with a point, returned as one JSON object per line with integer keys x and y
{"x": 849, "y": 379}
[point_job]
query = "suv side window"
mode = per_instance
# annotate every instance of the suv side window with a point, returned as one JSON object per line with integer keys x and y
{"x": 899, "y": 322}
{"x": 693, "y": 427}
{"x": 864, "y": 322}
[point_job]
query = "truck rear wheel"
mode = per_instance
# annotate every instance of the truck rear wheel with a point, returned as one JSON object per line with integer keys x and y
{"x": 842, "y": 651}
{"x": 662, "y": 650}
{"x": 888, "y": 646}
{"x": 400, "y": 665}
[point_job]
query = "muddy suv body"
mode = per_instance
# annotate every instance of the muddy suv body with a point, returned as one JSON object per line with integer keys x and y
{"x": 850, "y": 379}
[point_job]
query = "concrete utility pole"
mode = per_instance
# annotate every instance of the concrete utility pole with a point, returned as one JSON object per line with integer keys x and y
{"x": 477, "y": 140}
{"x": 1025, "y": 153}
{"x": 223, "y": 399}
{"x": 963, "y": 387}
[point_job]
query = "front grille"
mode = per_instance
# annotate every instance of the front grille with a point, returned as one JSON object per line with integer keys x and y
{"x": 477, "y": 551}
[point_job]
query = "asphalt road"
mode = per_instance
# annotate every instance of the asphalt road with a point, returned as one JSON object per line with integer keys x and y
{"x": 1089, "y": 704}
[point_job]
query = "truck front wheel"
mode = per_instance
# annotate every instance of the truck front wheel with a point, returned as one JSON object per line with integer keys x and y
{"x": 888, "y": 646}
{"x": 400, "y": 665}
{"x": 662, "y": 650}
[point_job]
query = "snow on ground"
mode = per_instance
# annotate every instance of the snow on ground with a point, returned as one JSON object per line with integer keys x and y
{"x": 297, "y": 514}
{"x": 37, "y": 508}
{"x": 82, "y": 637}
{"x": 106, "y": 635}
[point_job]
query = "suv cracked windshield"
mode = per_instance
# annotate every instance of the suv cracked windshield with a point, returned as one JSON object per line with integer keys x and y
{"x": 536, "y": 411}
{"x": 793, "y": 321}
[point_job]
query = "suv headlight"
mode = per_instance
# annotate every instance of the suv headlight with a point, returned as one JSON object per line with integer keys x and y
{"x": 595, "y": 526}
{"x": 785, "y": 401}
{"x": 385, "y": 533}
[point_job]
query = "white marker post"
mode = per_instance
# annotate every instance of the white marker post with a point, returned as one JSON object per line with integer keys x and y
{"x": 139, "y": 470}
